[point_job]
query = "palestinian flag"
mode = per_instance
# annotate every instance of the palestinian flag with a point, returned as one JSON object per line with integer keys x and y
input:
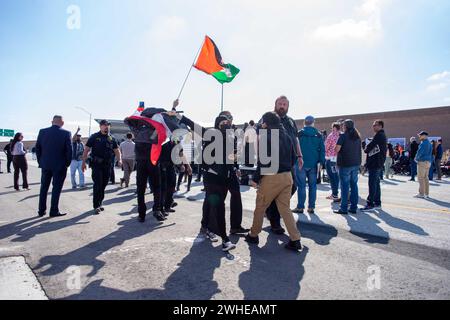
{"x": 210, "y": 62}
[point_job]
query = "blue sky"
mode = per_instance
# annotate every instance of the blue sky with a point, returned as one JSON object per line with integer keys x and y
{"x": 329, "y": 57}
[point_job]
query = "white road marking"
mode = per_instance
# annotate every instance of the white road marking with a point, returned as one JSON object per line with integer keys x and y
{"x": 18, "y": 281}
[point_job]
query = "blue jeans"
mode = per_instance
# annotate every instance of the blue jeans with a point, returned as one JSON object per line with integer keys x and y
{"x": 332, "y": 172}
{"x": 431, "y": 173}
{"x": 348, "y": 178}
{"x": 300, "y": 180}
{"x": 413, "y": 166}
{"x": 374, "y": 197}
{"x": 74, "y": 167}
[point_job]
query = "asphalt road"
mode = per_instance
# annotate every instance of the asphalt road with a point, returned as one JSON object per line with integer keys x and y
{"x": 400, "y": 252}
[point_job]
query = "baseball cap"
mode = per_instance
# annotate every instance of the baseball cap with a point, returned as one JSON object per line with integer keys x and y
{"x": 309, "y": 119}
{"x": 104, "y": 123}
{"x": 349, "y": 123}
{"x": 423, "y": 133}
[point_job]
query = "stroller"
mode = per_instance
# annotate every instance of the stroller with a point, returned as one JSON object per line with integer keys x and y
{"x": 401, "y": 167}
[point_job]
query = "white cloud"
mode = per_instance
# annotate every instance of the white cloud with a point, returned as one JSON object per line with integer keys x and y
{"x": 439, "y": 76}
{"x": 437, "y": 87}
{"x": 366, "y": 26}
{"x": 439, "y": 81}
{"x": 167, "y": 27}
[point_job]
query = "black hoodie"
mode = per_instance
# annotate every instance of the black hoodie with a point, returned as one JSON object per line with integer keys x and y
{"x": 217, "y": 172}
{"x": 287, "y": 155}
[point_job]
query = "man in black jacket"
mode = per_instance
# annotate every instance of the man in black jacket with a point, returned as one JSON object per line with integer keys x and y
{"x": 281, "y": 109}
{"x": 413, "y": 147}
{"x": 274, "y": 181}
{"x": 9, "y": 157}
{"x": 376, "y": 156}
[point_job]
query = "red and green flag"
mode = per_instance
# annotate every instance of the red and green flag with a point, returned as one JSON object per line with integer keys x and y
{"x": 210, "y": 62}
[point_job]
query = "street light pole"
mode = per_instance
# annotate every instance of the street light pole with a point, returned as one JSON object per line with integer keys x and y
{"x": 90, "y": 117}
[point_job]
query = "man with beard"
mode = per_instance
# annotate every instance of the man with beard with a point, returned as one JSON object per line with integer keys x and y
{"x": 281, "y": 109}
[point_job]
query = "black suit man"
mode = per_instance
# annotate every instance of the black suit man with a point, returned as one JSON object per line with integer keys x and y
{"x": 54, "y": 153}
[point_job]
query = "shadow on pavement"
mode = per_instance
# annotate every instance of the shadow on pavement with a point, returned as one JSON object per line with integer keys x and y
{"x": 399, "y": 223}
{"x": 88, "y": 254}
{"x": 193, "y": 279}
{"x": 49, "y": 225}
{"x": 439, "y": 202}
{"x": 275, "y": 273}
{"x": 321, "y": 233}
{"x": 14, "y": 228}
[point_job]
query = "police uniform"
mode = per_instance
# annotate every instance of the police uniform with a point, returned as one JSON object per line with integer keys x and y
{"x": 102, "y": 147}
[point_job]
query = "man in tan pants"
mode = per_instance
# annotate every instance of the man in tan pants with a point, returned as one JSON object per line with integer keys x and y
{"x": 423, "y": 171}
{"x": 274, "y": 182}
{"x": 423, "y": 158}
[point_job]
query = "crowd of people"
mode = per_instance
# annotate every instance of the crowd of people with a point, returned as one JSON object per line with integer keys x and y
{"x": 295, "y": 158}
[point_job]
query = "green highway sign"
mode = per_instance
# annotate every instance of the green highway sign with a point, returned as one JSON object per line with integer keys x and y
{"x": 6, "y": 133}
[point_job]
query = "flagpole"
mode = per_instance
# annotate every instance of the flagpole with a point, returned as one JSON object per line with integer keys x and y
{"x": 221, "y": 107}
{"x": 190, "y": 69}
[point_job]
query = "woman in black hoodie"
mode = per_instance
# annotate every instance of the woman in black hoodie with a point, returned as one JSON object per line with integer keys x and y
{"x": 217, "y": 174}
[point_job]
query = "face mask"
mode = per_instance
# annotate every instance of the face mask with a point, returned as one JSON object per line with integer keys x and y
{"x": 225, "y": 127}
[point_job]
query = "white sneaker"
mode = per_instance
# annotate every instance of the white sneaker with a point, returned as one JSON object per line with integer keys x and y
{"x": 227, "y": 246}
{"x": 419, "y": 196}
{"x": 211, "y": 236}
{"x": 426, "y": 197}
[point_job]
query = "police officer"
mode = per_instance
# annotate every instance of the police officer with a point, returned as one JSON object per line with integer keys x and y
{"x": 101, "y": 145}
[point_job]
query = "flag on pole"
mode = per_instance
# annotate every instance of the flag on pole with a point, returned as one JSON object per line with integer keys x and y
{"x": 210, "y": 62}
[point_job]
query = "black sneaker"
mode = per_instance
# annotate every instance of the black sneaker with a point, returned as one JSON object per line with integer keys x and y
{"x": 173, "y": 205}
{"x": 367, "y": 208}
{"x": 340, "y": 211}
{"x": 311, "y": 211}
{"x": 159, "y": 216}
{"x": 239, "y": 230}
{"x": 97, "y": 211}
{"x": 278, "y": 230}
{"x": 250, "y": 239}
{"x": 294, "y": 245}
{"x": 352, "y": 211}
{"x": 165, "y": 213}
{"x": 169, "y": 210}
{"x": 102, "y": 209}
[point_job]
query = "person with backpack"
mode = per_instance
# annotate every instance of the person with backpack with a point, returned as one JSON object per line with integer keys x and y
{"x": 313, "y": 149}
